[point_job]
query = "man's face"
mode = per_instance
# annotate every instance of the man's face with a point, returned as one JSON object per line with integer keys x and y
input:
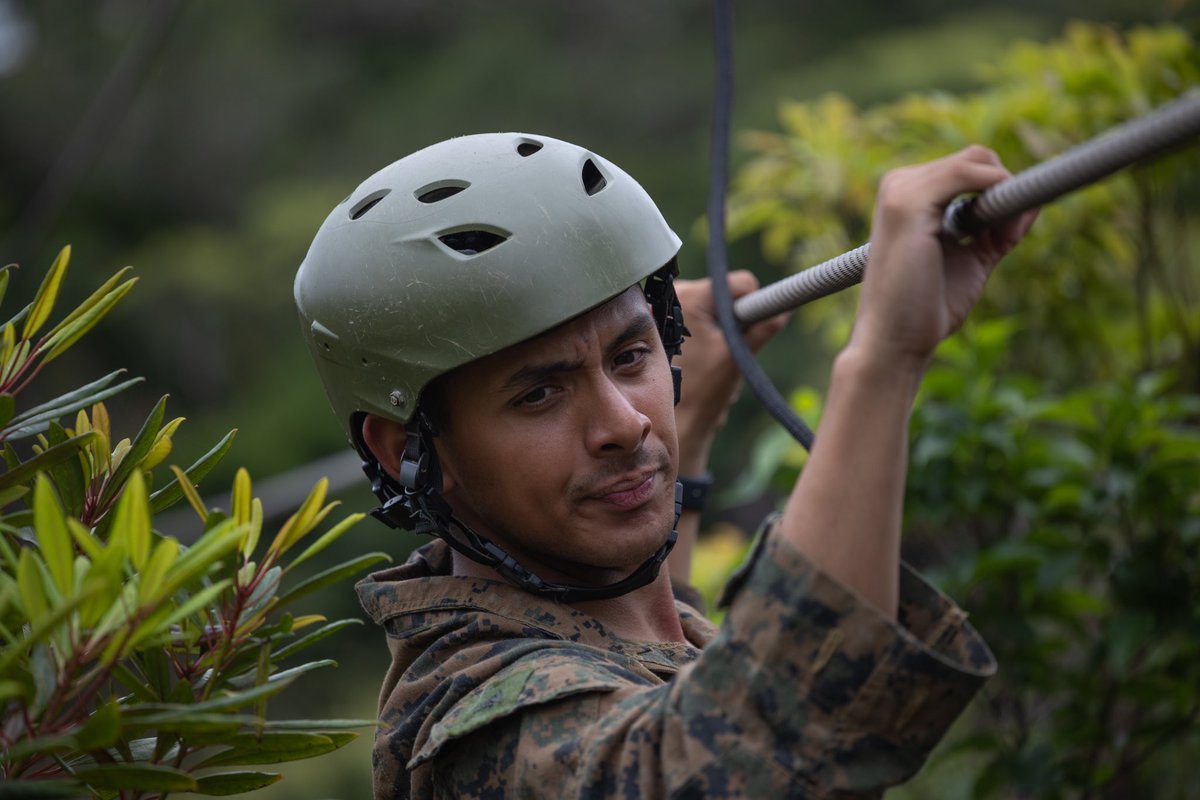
{"x": 562, "y": 449}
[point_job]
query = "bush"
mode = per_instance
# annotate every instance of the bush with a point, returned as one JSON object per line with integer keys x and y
{"x": 134, "y": 666}
{"x": 1055, "y": 464}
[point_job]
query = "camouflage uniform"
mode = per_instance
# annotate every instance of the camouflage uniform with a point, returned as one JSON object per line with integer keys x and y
{"x": 803, "y": 692}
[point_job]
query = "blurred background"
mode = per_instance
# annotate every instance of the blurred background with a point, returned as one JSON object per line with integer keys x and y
{"x": 204, "y": 143}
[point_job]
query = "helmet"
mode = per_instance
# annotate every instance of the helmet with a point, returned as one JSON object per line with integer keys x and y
{"x": 456, "y": 252}
{"x": 460, "y": 250}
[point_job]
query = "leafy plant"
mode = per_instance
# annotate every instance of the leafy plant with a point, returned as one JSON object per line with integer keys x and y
{"x": 1054, "y": 482}
{"x": 1105, "y": 283}
{"x": 133, "y": 665}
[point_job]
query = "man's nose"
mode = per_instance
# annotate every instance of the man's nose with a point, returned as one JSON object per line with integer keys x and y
{"x": 615, "y": 425}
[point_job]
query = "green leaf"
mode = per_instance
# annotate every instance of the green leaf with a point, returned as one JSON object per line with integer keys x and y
{"x": 8, "y": 406}
{"x": 35, "y": 419}
{"x": 52, "y": 535}
{"x": 10, "y": 690}
{"x": 171, "y": 494}
{"x": 12, "y": 494}
{"x": 45, "y": 676}
{"x": 165, "y": 554}
{"x": 326, "y": 539}
{"x": 137, "y": 777}
{"x": 68, "y": 475}
{"x": 226, "y": 783}
{"x": 138, "y": 450}
{"x": 268, "y": 585}
{"x": 29, "y": 584}
{"x": 182, "y": 719}
{"x": 17, "y": 789}
{"x": 133, "y": 683}
{"x": 317, "y": 725}
{"x": 43, "y": 301}
{"x": 102, "y": 729}
{"x": 287, "y": 675}
{"x": 73, "y": 328}
{"x": 100, "y": 294}
{"x": 200, "y": 557}
{"x": 332, "y": 575}
{"x": 312, "y": 638}
{"x": 271, "y": 748}
{"x": 38, "y": 746}
{"x": 45, "y": 460}
{"x": 131, "y": 521}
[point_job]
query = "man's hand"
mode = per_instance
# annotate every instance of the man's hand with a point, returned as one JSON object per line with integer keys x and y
{"x": 919, "y": 286}
{"x": 711, "y": 379}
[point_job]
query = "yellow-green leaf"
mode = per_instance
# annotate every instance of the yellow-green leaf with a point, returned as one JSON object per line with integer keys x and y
{"x": 242, "y": 496}
{"x": 84, "y": 538}
{"x": 73, "y": 328}
{"x": 52, "y": 534}
{"x": 43, "y": 302}
{"x": 120, "y": 451}
{"x": 327, "y": 539}
{"x": 132, "y": 522}
{"x": 165, "y": 553}
{"x": 162, "y": 445}
{"x": 9, "y": 341}
{"x": 102, "y": 292}
{"x": 189, "y": 491}
{"x": 304, "y": 620}
{"x": 300, "y": 522}
{"x": 256, "y": 523}
{"x": 30, "y": 588}
{"x": 236, "y": 782}
{"x": 137, "y": 778}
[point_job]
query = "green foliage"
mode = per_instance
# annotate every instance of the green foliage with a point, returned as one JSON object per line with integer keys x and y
{"x": 1116, "y": 251}
{"x": 1054, "y": 483}
{"x": 134, "y": 665}
{"x": 1069, "y": 524}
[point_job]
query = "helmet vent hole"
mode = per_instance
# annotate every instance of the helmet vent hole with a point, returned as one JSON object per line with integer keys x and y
{"x": 526, "y": 149}
{"x": 472, "y": 243}
{"x": 367, "y": 203}
{"x": 593, "y": 180}
{"x": 440, "y": 190}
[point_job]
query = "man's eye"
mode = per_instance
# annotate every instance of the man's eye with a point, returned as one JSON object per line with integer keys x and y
{"x": 538, "y": 395}
{"x": 632, "y": 356}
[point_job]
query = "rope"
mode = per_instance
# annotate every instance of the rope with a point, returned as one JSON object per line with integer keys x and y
{"x": 718, "y": 269}
{"x": 1137, "y": 140}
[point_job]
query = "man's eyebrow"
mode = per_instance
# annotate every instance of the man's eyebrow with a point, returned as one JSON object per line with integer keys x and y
{"x": 533, "y": 373}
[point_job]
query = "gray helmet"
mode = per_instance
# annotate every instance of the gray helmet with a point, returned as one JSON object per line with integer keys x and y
{"x": 460, "y": 250}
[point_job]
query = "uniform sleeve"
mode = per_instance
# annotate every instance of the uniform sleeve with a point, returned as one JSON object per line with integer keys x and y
{"x": 805, "y": 692}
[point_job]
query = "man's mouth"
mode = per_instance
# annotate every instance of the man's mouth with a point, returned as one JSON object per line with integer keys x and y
{"x": 631, "y": 491}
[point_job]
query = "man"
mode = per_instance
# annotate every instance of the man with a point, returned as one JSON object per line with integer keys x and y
{"x": 494, "y": 318}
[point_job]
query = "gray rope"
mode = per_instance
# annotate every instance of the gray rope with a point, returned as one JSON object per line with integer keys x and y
{"x": 1137, "y": 140}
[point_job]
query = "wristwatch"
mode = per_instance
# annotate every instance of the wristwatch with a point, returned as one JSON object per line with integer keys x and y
{"x": 695, "y": 491}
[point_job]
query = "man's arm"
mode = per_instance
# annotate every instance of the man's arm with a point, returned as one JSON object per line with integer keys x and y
{"x": 844, "y": 513}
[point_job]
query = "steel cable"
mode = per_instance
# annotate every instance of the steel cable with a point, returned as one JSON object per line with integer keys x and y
{"x": 1137, "y": 140}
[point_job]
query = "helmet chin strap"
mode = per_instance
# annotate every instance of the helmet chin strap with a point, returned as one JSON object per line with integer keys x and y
{"x": 415, "y": 501}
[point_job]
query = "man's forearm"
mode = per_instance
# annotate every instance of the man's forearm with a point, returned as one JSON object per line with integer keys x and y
{"x": 845, "y": 511}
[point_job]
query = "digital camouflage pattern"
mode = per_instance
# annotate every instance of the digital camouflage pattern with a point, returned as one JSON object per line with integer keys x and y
{"x": 803, "y": 692}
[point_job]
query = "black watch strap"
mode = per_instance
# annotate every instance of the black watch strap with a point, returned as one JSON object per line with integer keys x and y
{"x": 695, "y": 491}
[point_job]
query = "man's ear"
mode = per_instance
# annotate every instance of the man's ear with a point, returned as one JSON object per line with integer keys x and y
{"x": 386, "y": 439}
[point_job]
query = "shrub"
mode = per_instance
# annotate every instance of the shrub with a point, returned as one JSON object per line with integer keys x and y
{"x": 132, "y": 665}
